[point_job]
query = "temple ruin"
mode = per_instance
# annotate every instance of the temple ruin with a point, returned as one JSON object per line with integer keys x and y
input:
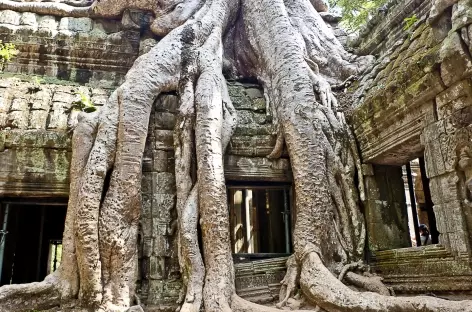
{"x": 411, "y": 115}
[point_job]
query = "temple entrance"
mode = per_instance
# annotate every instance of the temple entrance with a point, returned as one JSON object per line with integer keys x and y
{"x": 421, "y": 216}
{"x": 30, "y": 240}
{"x": 260, "y": 221}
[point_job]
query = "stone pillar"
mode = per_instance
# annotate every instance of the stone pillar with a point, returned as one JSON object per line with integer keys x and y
{"x": 160, "y": 272}
{"x": 385, "y": 208}
{"x": 444, "y": 142}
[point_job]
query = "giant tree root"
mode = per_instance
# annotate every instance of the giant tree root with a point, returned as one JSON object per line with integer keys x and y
{"x": 61, "y": 285}
{"x": 34, "y": 296}
{"x": 48, "y": 8}
{"x": 319, "y": 285}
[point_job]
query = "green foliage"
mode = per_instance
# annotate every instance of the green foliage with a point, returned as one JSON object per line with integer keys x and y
{"x": 356, "y": 13}
{"x": 7, "y": 52}
{"x": 84, "y": 104}
{"x": 409, "y": 22}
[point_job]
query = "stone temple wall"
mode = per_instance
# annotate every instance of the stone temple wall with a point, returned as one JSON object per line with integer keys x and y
{"x": 36, "y": 120}
{"x": 414, "y": 102}
{"x": 79, "y": 50}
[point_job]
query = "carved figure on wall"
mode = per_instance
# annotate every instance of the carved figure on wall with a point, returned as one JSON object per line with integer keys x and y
{"x": 464, "y": 165}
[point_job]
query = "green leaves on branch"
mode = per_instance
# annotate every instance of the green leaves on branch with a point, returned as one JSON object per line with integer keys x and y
{"x": 84, "y": 104}
{"x": 356, "y": 13}
{"x": 7, "y": 52}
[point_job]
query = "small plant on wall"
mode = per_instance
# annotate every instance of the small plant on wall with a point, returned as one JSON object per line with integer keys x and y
{"x": 84, "y": 104}
{"x": 409, "y": 22}
{"x": 7, "y": 52}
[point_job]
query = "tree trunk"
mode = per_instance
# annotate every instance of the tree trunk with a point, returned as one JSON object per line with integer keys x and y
{"x": 295, "y": 56}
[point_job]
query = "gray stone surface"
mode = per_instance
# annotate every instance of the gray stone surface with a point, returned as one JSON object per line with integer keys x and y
{"x": 98, "y": 52}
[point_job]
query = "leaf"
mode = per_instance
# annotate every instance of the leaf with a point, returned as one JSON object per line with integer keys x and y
{"x": 356, "y": 13}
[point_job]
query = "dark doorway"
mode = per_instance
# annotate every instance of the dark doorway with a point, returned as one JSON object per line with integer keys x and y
{"x": 422, "y": 216}
{"x": 260, "y": 220}
{"x": 30, "y": 241}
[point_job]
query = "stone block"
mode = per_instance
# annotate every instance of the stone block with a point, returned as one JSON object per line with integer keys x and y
{"x": 18, "y": 119}
{"x": 146, "y": 214}
{"x": 253, "y": 129}
{"x": 453, "y": 217}
{"x": 257, "y": 168}
{"x": 161, "y": 243}
{"x": 167, "y": 103}
{"x": 147, "y": 246}
{"x": 424, "y": 89}
{"x": 146, "y": 45}
{"x": 61, "y": 106}
{"x": 372, "y": 191}
{"x": 172, "y": 288}
{"x": 164, "y": 120}
{"x": 163, "y": 140}
{"x": 456, "y": 97}
{"x": 456, "y": 63}
{"x": 160, "y": 161}
{"x": 245, "y": 117}
{"x": 444, "y": 188}
{"x": 162, "y": 206}
{"x": 458, "y": 242}
{"x": 80, "y": 25}
{"x": 262, "y": 119}
{"x": 440, "y": 214}
{"x": 47, "y": 23}
{"x": 97, "y": 33}
{"x": 58, "y": 119}
{"x": 10, "y": 17}
{"x": 19, "y": 104}
{"x": 163, "y": 183}
{"x": 65, "y": 97}
{"x": 146, "y": 183}
{"x": 367, "y": 170}
{"x": 461, "y": 14}
{"x": 99, "y": 99}
{"x": 5, "y": 102}
{"x": 156, "y": 273}
{"x": 246, "y": 145}
{"x": 432, "y": 132}
{"x": 38, "y": 119}
{"x": 254, "y": 93}
{"x": 434, "y": 159}
{"x": 29, "y": 19}
{"x": 3, "y": 120}
{"x": 41, "y": 99}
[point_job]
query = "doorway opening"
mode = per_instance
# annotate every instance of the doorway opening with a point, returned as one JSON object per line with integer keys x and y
{"x": 260, "y": 220}
{"x": 421, "y": 217}
{"x": 30, "y": 239}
